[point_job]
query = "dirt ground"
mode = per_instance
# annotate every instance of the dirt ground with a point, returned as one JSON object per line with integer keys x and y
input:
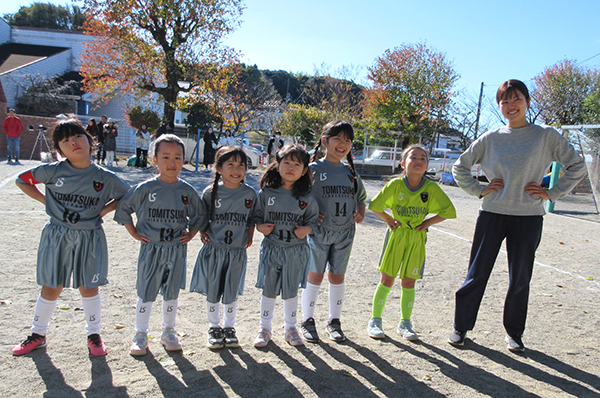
{"x": 562, "y": 335}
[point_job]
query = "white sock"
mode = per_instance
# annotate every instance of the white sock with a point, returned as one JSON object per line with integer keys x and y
{"x": 92, "y": 307}
{"x": 290, "y": 310}
{"x": 229, "y": 313}
{"x": 309, "y": 300}
{"x": 212, "y": 311}
{"x": 41, "y": 317}
{"x": 267, "y": 308}
{"x": 336, "y": 300}
{"x": 142, "y": 315}
{"x": 169, "y": 310}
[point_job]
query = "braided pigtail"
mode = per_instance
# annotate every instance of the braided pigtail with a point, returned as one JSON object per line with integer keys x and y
{"x": 352, "y": 170}
{"x": 314, "y": 157}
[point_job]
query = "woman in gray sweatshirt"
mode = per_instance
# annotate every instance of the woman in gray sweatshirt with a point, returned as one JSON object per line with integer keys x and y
{"x": 515, "y": 159}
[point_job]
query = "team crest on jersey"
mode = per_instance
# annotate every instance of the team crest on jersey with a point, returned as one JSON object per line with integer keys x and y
{"x": 185, "y": 199}
{"x": 424, "y": 196}
{"x": 302, "y": 204}
{"x": 248, "y": 203}
{"x": 351, "y": 178}
{"x": 98, "y": 185}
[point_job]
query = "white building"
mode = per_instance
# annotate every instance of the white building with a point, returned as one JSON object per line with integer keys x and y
{"x": 27, "y": 52}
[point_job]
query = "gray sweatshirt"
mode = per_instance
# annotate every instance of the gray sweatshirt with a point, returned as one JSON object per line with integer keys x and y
{"x": 519, "y": 156}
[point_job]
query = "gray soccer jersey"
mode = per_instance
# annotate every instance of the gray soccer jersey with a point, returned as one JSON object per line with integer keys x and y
{"x": 163, "y": 210}
{"x": 333, "y": 188}
{"x": 280, "y": 207}
{"x": 233, "y": 214}
{"x": 75, "y": 197}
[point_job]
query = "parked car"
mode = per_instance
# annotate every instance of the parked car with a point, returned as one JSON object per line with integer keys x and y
{"x": 438, "y": 165}
{"x": 381, "y": 157}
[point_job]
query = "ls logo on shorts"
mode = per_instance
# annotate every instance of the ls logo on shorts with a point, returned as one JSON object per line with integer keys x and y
{"x": 248, "y": 203}
{"x": 98, "y": 185}
{"x": 185, "y": 199}
{"x": 424, "y": 196}
{"x": 302, "y": 204}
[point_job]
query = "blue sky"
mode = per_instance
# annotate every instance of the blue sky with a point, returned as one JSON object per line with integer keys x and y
{"x": 487, "y": 41}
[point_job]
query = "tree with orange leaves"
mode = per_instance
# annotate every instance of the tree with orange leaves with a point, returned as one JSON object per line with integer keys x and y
{"x": 561, "y": 90}
{"x": 412, "y": 85}
{"x": 150, "y": 46}
{"x": 234, "y": 94}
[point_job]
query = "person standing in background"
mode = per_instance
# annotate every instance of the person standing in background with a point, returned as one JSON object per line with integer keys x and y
{"x": 13, "y": 128}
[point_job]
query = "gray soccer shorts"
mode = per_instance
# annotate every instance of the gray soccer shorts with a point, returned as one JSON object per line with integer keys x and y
{"x": 161, "y": 268}
{"x": 330, "y": 246}
{"x": 219, "y": 273}
{"x": 65, "y": 252}
{"x": 282, "y": 269}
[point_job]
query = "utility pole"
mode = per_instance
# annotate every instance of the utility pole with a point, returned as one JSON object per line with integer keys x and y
{"x": 478, "y": 112}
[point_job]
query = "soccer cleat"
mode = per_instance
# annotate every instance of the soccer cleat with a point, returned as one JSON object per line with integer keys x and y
{"x": 262, "y": 339}
{"x": 375, "y": 329}
{"x": 169, "y": 340}
{"x": 405, "y": 329}
{"x": 230, "y": 339}
{"x": 515, "y": 344}
{"x": 293, "y": 338}
{"x": 31, "y": 343}
{"x": 96, "y": 346}
{"x": 309, "y": 331}
{"x": 457, "y": 338}
{"x": 140, "y": 344}
{"x": 334, "y": 329}
{"x": 215, "y": 338}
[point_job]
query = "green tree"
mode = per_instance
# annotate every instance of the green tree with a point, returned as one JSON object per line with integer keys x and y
{"x": 289, "y": 86}
{"x": 560, "y": 91}
{"x": 48, "y": 16}
{"x": 151, "y": 46}
{"x": 341, "y": 98}
{"x": 412, "y": 87}
{"x": 303, "y": 123}
{"x": 136, "y": 116}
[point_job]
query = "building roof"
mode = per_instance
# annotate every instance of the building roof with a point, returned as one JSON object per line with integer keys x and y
{"x": 15, "y": 55}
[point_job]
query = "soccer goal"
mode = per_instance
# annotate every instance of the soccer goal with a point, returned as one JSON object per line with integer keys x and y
{"x": 586, "y": 140}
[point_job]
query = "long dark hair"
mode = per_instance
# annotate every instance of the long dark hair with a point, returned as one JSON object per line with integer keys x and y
{"x": 223, "y": 155}
{"x": 333, "y": 129}
{"x": 272, "y": 178}
{"x": 93, "y": 129}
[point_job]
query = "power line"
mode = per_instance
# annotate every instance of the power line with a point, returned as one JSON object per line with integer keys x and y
{"x": 592, "y": 57}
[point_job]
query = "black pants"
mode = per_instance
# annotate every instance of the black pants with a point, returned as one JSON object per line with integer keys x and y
{"x": 101, "y": 154}
{"x": 522, "y": 234}
{"x": 141, "y": 157}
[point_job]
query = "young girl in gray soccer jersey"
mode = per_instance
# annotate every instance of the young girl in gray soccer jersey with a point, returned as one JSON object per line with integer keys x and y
{"x": 166, "y": 207}
{"x": 221, "y": 264}
{"x": 342, "y": 201}
{"x": 285, "y": 214}
{"x": 73, "y": 245}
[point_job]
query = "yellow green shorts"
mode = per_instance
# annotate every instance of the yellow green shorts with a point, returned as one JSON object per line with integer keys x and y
{"x": 403, "y": 253}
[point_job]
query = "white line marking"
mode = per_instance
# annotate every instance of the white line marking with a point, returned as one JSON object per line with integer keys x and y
{"x": 561, "y": 271}
{"x": 21, "y": 211}
{"x": 9, "y": 179}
